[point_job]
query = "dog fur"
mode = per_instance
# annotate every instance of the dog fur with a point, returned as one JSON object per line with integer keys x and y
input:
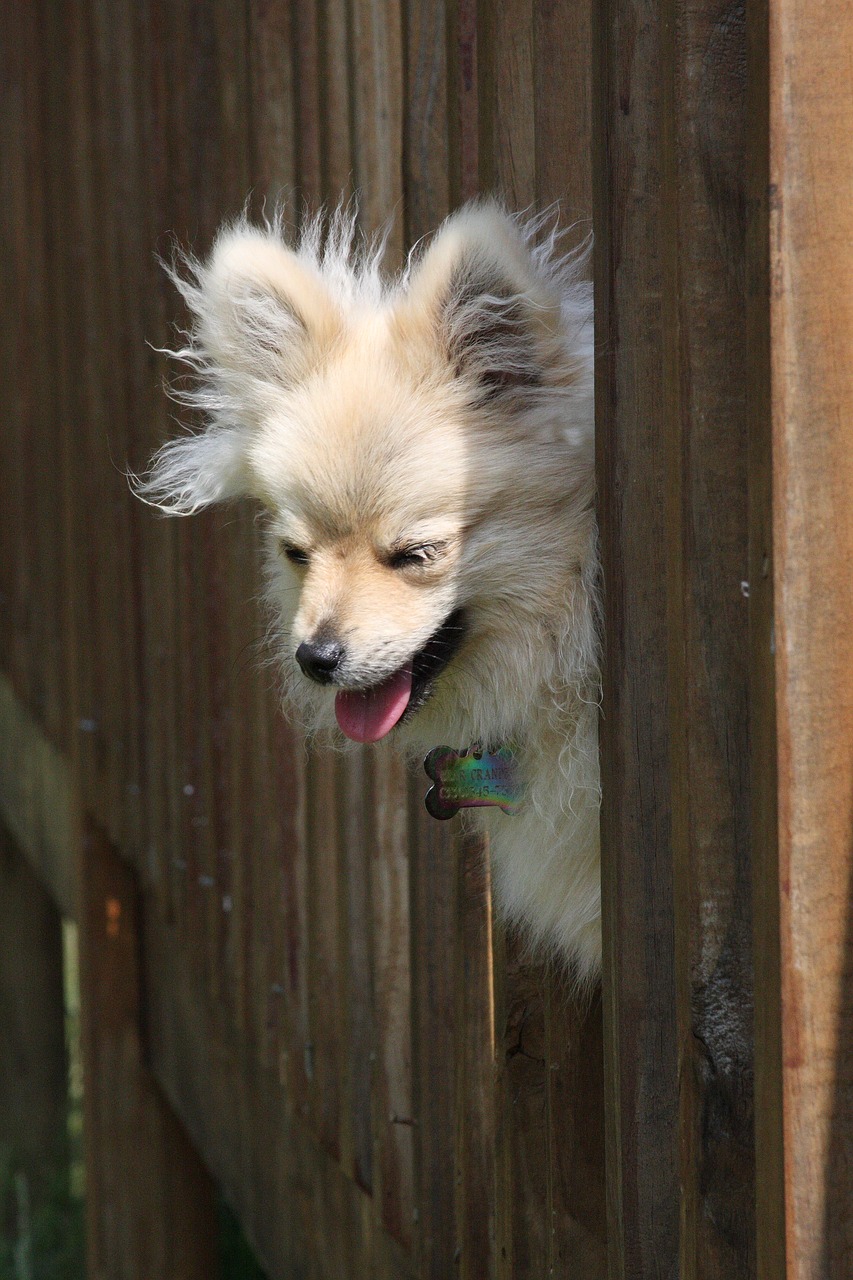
{"x": 425, "y": 445}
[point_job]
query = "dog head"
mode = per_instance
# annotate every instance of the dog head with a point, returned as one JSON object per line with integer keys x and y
{"x": 423, "y": 450}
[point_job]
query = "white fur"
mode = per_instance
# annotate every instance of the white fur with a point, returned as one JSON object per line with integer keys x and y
{"x": 451, "y": 406}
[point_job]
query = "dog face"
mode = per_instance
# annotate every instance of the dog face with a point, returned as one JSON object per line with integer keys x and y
{"x": 422, "y": 449}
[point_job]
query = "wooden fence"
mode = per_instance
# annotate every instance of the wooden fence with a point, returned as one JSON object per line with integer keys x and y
{"x": 292, "y": 985}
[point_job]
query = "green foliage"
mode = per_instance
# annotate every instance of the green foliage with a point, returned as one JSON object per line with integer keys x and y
{"x": 41, "y": 1230}
{"x": 236, "y": 1260}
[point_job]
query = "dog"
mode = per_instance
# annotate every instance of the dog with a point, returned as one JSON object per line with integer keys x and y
{"x": 423, "y": 447}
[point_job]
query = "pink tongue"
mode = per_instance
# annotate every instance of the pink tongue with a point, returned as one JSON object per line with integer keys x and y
{"x": 367, "y": 716}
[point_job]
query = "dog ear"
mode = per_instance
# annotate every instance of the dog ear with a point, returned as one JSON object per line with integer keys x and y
{"x": 194, "y": 471}
{"x": 261, "y": 317}
{"x": 262, "y": 313}
{"x": 494, "y": 314}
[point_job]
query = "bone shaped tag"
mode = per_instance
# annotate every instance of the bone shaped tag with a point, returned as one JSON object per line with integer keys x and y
{"x": 471, "y": 780}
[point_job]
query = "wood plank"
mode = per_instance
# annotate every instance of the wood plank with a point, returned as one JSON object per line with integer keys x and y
{"x": 474, "y": 1015}
{"x": 150, "y": 1207}
{"x": 336, "y": 123}
{"x": 161, "y": 794}
{"x": 425, "y": 119}
{"x": 576, "y": 1211}
{"x": 706, "y": 428}
{"x": 376, "y": 59}
{"x": 562, "y": 100}
{"x": 282, "y": 766}
{"x": 394, "y": 1118}
{"x": 327, "y": 1020}
{"x": 358, "y": 845}
{"x": 303, "y": 1215}
{"x": 804, "y": 323}
{"x": 506, "y": 78}
{"x": 308, "y": 111}
{"x": 34, "y": 373}
{"x": 630, "y": 67}
{"x": 476, "y": 1173}
{"x": 574, "y": 1081}
{"x": 521, "y": 1131}
{"x": 273, "y": 116}
{"x": 434, "y": 912}
{"x": 507, "y": 162}
{"x": 462, "y": 101}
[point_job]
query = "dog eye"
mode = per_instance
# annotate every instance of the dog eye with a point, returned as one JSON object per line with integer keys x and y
{"x": 294, "y": 554}
{"x": 407, "y": 556}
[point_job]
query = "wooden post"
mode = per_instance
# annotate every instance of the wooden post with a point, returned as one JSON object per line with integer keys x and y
{"x": 801, "y": 598}
{"x": 150, "y": 1210}
{"x": 672, "y": 430}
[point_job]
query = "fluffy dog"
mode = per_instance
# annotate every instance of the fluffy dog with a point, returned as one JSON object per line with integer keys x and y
{"x": 423, "y": 447}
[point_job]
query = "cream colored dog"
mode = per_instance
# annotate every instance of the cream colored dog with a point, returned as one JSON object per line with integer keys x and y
{"x": 424, "y": 451}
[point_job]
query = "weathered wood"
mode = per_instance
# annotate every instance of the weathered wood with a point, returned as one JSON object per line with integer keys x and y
{"x": 376, "y": 61}
{"x": 383, "y": 1088}
{"x": 801, "y": 152}
{"x": 507, "y": 164}
{"x": 706, "y": 431}
{"x": 463, "y": 100}
{"x": 576, "y": 1207}
{"x": 425, "y": 117}
{"x": 149, "y": 1203}
{"x": 394, "y": 1118}
{"x": 575, "y": 1211}
{"x": 325, "y": 1051}
{"x": 630, "y": 78}
{"x": 433, "y": 878}
{"x": 675, "y": 751}
{"x": 322, "y": 1224}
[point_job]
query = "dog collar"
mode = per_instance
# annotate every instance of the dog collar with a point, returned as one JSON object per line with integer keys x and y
{"x": 472, "y": 779}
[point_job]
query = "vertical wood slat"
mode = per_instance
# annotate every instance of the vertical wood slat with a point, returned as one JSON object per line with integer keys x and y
{"x": 394, "y": 1119}
{"x": 801, "y": 304}
{"x": 433, "y": 856}
{"x": 376, "y": 62}
{"x": 575, "y": 1209}
{"x": 474, "y": 1026}
{"x": 274, "y": 86}
{"x": 158, "y": 541}
{"x": 463, "y": 96}
{"x": 672, "y": 464}
{"x": 476, "y": 1183}
{"x": 706, "y": 480}
{"x": 630, "y": 64}
{"x": 149, "y": 1202}
{"x": 689, "y": 168}
{"x": 507, "y": 165}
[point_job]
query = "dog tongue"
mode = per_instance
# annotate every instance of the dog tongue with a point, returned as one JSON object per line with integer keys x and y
{"x": 366, "y": 716}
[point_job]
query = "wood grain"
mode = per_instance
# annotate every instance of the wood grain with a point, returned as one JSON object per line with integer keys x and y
{"x": 325, "y": 1000}
{"x": 149, "y": 1202}
{"x": 804, "y": 1024}
{"x": 640, "y": 1045}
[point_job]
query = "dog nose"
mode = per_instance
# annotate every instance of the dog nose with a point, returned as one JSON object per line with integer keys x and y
{"x": 319, "y": 659}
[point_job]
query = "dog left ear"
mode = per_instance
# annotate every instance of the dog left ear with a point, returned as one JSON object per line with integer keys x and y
{"x": 496, "y": 318}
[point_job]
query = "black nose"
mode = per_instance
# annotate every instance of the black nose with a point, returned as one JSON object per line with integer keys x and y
{"x": 319, "y": 659}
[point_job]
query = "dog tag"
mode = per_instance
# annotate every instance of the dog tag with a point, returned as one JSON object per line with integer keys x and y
{"x": 471, "y": 780}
